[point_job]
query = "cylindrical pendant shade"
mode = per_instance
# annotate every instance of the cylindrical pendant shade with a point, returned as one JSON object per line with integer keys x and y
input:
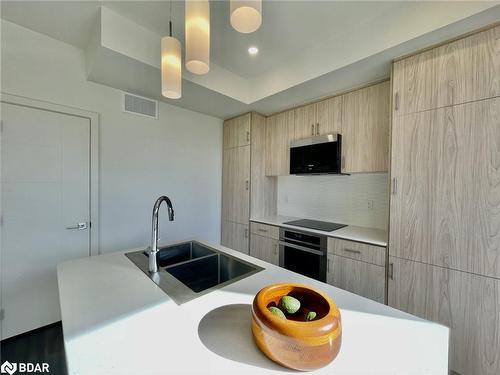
{"x": 171, "y": 68}
{"x": 198, "y": 36}
{"x": 246, "y": 15}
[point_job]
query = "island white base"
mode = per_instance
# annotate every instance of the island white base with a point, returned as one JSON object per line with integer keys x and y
{"x": 117, "y": 321}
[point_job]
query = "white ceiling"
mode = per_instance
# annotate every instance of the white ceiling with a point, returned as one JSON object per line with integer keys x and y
{"x": 299, "y": 42}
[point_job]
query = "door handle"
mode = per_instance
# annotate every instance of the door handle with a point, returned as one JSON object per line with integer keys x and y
{"x": 312, "y": 129}
{"x": 352, "y": 251}
{"x": 79, "y": 226}
{"x": 301, "y": 248}
{"x": 317, "y": 128}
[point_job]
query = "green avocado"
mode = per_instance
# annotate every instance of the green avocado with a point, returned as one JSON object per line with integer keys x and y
{"x": 277, "y": 312}
{"x": 289, "y": 304}
{"x": 311, "y": 315}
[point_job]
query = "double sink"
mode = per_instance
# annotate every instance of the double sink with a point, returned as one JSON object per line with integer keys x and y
{"x": 190, "y": 269}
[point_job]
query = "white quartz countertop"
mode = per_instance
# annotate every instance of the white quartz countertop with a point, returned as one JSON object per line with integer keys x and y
{"x": 117, "y": 321}
{"x": 372, "y": 236}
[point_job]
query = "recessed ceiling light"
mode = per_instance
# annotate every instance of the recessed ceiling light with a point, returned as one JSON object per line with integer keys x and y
{"x": 253, "y": 50}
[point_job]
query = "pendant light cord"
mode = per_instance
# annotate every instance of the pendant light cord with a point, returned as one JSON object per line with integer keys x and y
{"x": 170, "y": 21}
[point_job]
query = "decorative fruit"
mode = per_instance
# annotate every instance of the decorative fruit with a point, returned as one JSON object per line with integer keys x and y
{"x": 311, "y": 315}
{"x": 289, "y": 304}
{"x": 277, "y": 312}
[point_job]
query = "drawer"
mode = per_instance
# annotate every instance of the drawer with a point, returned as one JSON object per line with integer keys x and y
{"x": 265, "y": 230}
{"x": 358, "y": 251}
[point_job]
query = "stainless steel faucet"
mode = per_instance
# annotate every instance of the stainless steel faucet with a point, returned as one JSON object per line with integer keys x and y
{"x": 153, "y": 251}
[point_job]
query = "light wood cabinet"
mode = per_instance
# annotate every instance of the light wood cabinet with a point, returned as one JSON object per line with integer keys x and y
{"x": 365, "y": 129}
{"x": 236, "y": 131}
{"x": 305, "y": 121}
{"x": 358, "y": 268}
{"x": 361, "y": 116}
{"x": 236, "y": 185}
{"x": 444, "y": 206}
{"x": 465, "y": 70}
{"x": 263, "y": 189}
{"x": 361, "y": 278}
{"x": 279, "y": 132}
{"x": 235, "y": 236}
{"x": 329, "y": 115}
{"x": 264, "y": 230}
{"x": 358, "y": 251}
{"x": 324, "y": 117}
{"x": 444, "y": 212}
{"x": 245, "y": 188}
{"x": 469, "y": 304}
{"x": 264, "y": 248}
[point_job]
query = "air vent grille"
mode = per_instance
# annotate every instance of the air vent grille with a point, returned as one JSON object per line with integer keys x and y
{"x": 140, "y": 105}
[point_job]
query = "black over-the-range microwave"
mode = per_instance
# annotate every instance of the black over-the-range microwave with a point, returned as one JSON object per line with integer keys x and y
{"x": 316, "y": 155}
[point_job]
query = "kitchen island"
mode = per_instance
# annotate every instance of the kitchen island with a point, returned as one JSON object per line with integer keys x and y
{"x": 116, "y": 320}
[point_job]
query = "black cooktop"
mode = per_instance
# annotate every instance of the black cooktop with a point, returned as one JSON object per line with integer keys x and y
{"x": 315, "y": 224}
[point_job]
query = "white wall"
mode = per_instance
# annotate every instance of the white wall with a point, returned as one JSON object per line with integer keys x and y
{"x": 342, "y": 199}
{"x": 178, "y": 155}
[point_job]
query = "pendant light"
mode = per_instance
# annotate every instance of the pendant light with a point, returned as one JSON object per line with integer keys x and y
{"x": 198, "y": 36}
{"x": 171, "y": 64}
{"x": 245, "y": 15}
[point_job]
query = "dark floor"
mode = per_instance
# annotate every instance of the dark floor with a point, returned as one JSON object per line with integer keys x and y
{"x": 41, "y": 345}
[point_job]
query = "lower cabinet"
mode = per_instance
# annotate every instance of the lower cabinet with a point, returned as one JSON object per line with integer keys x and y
{"x": 235, "y": 236}
{"x": 468, "y": 304}
{"x": 264, "y": 248}
{"x": 357, "y": 267}
{"x": 364, "y": 279}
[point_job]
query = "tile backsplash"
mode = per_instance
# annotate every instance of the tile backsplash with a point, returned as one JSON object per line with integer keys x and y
{"x": 358, "y": 199}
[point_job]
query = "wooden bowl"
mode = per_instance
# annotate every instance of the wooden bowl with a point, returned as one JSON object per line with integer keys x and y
{"x": 293, "y": 342}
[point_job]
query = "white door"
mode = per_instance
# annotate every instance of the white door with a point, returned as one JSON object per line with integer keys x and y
{"x": 45, "y": 188}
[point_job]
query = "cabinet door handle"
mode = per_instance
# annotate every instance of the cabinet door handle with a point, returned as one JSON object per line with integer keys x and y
{"x": 328, "y": 265}
{"x": 248, "y": 136}
{"x": 394, "y": 186}
{"x": 275, "y": 249}
{"x": 312, "y": 129}
{"x": 352, "y": 251}
{"x": 396, "y": 101}
{"x": 247, "y": 184}
{"x": 317, "y": 128}
{"x": 262, "y": 230}
{"x": 391, "y": 271}
{"x": 246, "y": 233}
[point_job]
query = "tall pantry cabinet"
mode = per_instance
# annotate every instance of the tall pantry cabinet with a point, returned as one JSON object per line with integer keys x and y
{"x": 444, "y": 241}
{"x": 245, "y": 188}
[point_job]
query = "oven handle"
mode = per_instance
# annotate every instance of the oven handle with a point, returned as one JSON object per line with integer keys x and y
{"x": 302, "y": 248}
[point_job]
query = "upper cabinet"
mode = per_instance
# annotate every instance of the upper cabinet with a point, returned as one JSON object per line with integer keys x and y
{"x": 237, "y": 131}
{"x": 329, "y": 116}
{"x": 305, "y": 121}
{"x": 365, "y": 129}
{"x": 465, "y": 70}
{"x": 361, "y": 116}
{"x": 279, "y": 133}
{"x": 323, "y": 117}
